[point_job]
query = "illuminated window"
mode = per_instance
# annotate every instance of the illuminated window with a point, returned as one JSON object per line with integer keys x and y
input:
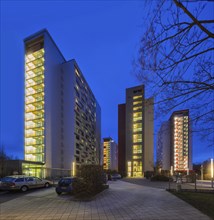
{"x": 137, "y": 127}
{"x": 137, "y": 97}
{"x": 137, "y": 138}
{"x": 34, "y": 106}
{"x": 137, "y": 116}
{"x": 137, "y": 149}
{"x": 137, "y": 168}
{"x": 137, "y": 108}
{"x": 137, "y": 102}
{"x": 129, "y": 168}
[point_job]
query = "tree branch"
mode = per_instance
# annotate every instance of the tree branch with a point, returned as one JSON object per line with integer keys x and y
{"x": 180, "y": 5}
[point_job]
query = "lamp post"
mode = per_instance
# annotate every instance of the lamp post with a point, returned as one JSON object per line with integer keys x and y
{"x": 202, "y": 172}
{"x": 211, "y": 172}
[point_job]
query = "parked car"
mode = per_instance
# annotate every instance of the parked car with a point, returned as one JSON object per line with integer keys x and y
{"x": 115, "y": 176}
{"x": 65, "y": 185}
{"x": 23, "y": 183}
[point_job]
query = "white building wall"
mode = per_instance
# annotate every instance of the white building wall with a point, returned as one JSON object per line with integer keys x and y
{"x": 68, "y": 114}
{"x": 149, "y": 135}
{"x": 114, "y": 156}
{"x": 53, "y": 59}
{"x": 163, "y": 146}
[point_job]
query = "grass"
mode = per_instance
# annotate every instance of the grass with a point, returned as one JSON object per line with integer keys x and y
{"x": 201, "y": 201}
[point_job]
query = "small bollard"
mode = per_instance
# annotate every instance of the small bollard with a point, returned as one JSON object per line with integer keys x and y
{"x": 178, "y": 185}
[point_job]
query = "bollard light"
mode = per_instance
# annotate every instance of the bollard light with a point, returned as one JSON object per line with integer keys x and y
{"x": 171, "y": 171}
{"x": 74, "y": 168}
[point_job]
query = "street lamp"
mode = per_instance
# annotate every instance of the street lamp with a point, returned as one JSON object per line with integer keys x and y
{"x": 212, "y": 172}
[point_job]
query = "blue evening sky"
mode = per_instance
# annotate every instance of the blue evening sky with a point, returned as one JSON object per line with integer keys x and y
{"x": 103, "y": 37}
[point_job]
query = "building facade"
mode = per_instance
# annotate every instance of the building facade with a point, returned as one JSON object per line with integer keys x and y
{"x": 110, "y": 154}
{"x": 180, "y": 141}
{"x": 139, "y": 131}
{"x": 62, "y": 116}
{"x": 174, "y": 146}
{"x": 163, "y": 146}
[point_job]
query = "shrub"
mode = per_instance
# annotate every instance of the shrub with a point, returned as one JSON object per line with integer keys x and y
{"x": 90, "y": 180}
{"x": 159, "y": 178}
{"x": 149, "y": 174}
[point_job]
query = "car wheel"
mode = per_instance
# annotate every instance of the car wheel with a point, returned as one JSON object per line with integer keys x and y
{"x": 24, "y": 188}
{"x": 47, "y": 185}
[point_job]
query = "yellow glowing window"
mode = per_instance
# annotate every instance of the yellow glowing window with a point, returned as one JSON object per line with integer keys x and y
{"x": 137, "y": 108}
{"x": 137, "y": 97}
{"x": 129, "y": 168}
{"x": 137, "y": 116}
{"x": 137, "y": 127}
{"x": 137, "y": 149}
{"x": 137, "y": 138}
{"x": 77, "y": 72}
{"x": 137, "y": 102}
{"x": 137, "y": 157}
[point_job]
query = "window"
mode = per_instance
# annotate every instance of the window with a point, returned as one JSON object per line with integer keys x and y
{"x": 137, "y": 149}
{"x": 30, "y": 179}
{"x": 137, "y": 157}
{"x": 137, "y": 138}
{"x": 137, "y": 108}
{"x": 137, "y": 127}
{"x": 19, "y": 180}
{"x": 137, "y": 116}
{"x": 137, "y": 97}
{"x": 137, "y": 102}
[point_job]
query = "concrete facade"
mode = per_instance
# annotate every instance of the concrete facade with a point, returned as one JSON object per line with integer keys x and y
{"x": 174, "y": 145}
{"x": 163, "y": 146}
{"x": 139, "y": 133}
{"x": 62, "y": 115}
{"x": 110, "y": 154}
{"x": 180, "y": 141}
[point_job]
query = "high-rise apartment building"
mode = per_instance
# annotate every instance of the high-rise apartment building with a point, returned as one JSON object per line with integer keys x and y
{"x": 180, "y": 141}
{"x": 174, "y": 146}
{"x": 110, "y": 154}
{"x": 62, "y": 116}
{"x": 139, "y": 131}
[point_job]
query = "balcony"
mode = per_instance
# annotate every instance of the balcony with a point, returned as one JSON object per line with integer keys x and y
{"x": 32, "y": 125}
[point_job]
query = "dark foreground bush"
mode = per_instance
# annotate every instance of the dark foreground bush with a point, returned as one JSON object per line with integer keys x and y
{"x": 159, "y": 178}
{"x": 149, "y": 174}
{"x": 89, "y": 182}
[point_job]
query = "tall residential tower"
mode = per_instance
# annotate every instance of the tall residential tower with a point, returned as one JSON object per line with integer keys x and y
{"x": 110, "y": 154}
{"x": 174, "y": 146}
{"x": 62, "y": 116}
{"x": 137, "y": 143}
{"x": 180, "y": 141}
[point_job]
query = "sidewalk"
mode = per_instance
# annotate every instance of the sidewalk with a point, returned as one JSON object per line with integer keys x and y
{"x": 121, "y": 201}
{"x": 200, "y": 185}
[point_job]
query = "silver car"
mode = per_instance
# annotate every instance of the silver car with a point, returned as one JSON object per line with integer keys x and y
{"x": 23, "y": 183}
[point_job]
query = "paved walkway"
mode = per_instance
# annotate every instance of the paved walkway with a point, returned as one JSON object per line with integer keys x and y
{"x": 200, "y": 185}
{"x": 121, "y": 201}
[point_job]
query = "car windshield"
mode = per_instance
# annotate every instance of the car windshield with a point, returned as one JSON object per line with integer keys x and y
{"x": 8, "y": 179}
{"x": 65, "y": 181}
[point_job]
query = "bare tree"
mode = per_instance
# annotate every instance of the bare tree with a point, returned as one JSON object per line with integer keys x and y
{"x": 176, "y": 60}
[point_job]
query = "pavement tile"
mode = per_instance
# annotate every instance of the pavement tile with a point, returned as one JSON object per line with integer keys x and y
{"x": 123, "y": 200}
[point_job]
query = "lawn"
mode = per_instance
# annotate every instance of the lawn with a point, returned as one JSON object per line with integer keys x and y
{"x": 202, "y": 201}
